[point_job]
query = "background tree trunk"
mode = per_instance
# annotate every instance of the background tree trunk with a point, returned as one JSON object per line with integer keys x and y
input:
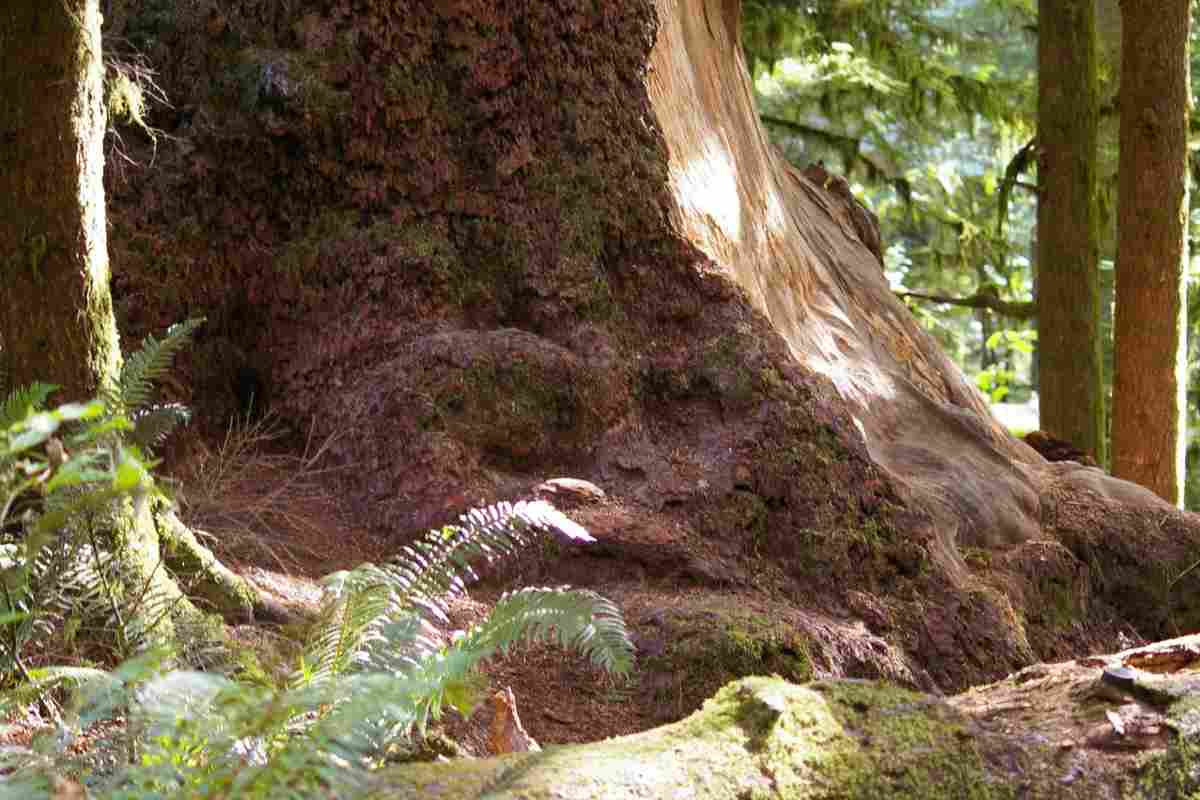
{"x": 56, "y": 316}
{"x": 1070, "y": 368}
{"x": 1150, "y": 341}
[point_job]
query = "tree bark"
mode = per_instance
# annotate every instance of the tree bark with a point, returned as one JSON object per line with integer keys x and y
{"x": 551, "y": 237}
{"x": 1150, "y": 351}
{"x": 56, "y": 317}
{"x": 1070, "y": 377}
{"x": 56, "y": 314}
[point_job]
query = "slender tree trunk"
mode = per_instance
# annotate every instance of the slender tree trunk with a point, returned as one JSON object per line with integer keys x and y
{"x": 1068, "y": 295}
{"x": 56, "y": 315}
{"x": 987, "y": 356}
{"x": 1151, "y": 303}
{"x": 56, "y": 318}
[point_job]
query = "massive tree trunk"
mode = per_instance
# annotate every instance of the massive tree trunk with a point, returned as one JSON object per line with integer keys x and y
{"x": 56, "y": 316}
{"x": 1150, "y": 333}
{"x": 496, "y": 242}
{"x": 789, "y": 246}
{"x": 1068, "y": 289}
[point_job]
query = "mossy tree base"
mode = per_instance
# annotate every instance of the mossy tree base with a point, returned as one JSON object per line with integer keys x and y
{"x": 206, "y": 578}
{"x": 169, "y": 588}
{"x": 150, "y": 607}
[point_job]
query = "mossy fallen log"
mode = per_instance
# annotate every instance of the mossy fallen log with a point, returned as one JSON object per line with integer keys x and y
{"x": 763, "y": 737}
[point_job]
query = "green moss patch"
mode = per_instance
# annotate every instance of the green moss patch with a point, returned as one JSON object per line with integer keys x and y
{"x": 705, "y": 648}
{"x": 512, "y": 394}
{"x": 1174, "y": 775}
{"x": 736, "y": 516}
{"x": 903, "y": 745}
{"x": 761, "y": 738}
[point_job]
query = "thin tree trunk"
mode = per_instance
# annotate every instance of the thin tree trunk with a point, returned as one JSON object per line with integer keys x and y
{"x": 1068, "y": 296}
{"x": 1150, "y": 356}
{"x": 56, "y": 317}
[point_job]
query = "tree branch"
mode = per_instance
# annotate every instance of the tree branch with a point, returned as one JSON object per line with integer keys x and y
{"x": 1024, "y": 158}
{"x": 985, "y": 300}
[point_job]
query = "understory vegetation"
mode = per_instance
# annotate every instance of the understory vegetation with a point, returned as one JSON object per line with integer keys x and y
{"x": 133, "y": 715}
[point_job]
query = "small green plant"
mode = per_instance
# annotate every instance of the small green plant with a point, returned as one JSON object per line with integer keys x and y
{"x": 134, "y": 393}
{"x": 374, "y": 671}
{"x": 995, "y": 381}
{"x": 49, "y": 488}
{"x": 61, "y": 471}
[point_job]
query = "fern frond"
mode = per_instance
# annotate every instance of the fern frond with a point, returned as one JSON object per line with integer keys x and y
{"x": 23, "y": 401}
{"x": 377, "y": 612}
{"x": 149, "y": 364}
{"x": 340, "y": 632}
{"x": 92, "y": 687}
{"x": 374, "y": 709}
{"x": 576, "y": 619}
{"x": 177, "y": 695}
{"x": 153, "y": 424}
{"x": 438, "y": 566}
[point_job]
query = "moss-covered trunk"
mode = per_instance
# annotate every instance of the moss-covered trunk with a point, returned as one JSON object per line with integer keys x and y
{"x": 56, "y": 317}
{"x": 766, "y": 739}
{"x": 1068, "y": 289}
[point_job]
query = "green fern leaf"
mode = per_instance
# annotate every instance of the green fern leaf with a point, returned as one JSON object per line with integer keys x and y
{"x": 135, "y": 388}
{"x": 576, "y": 619}
{"x": 153, "y": 424}
{"x": 374, "y": 625}
{"x": 24, "y": 401}
{"x": 438, "y": 567}
{"x": 339, "y": 633}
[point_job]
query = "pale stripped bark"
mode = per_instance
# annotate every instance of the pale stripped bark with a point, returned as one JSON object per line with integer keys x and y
{"x": 785, "y": 243}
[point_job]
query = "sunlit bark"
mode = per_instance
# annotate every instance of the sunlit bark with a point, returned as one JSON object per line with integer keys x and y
{"x": 56, "y": 318}
{"x": 1150, "y": 353}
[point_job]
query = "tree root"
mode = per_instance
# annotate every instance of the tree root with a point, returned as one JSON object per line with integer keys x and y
{"x": 208, "y": 580}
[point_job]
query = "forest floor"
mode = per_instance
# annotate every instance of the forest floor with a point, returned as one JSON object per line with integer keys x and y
{"x": 561, "y": 697}
{"x": 1056, "y": 719}
{"x": 266, "y": 513}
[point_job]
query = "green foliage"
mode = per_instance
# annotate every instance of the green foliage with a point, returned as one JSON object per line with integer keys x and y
{"x": 374, "y": 670}
{"x": 929, "y": 108}
{"x": 52, "y": 576}
{"x": 925, "y": 105}
{"x": 995, "y": 380}
{"x": 376, "y": 617}
{"x": 61, "y": 471}
{"x": 22, "y": 402}
{"x": 150, "y": 364}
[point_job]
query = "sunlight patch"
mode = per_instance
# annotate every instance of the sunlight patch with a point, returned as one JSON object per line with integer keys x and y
{"x": 708, "y": 183}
